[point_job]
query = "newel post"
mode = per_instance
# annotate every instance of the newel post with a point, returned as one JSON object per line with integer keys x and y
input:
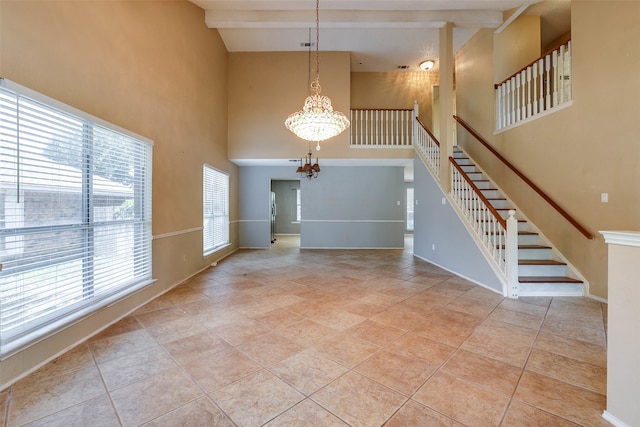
{"x": 511, "y": 255}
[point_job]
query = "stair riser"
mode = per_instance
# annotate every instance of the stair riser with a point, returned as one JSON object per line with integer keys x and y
{"x": 550, "y": 289}
{"x": 491, "y": 194}
{"x": 542, "y": 270}
{"x": 534, "y": 253}
{"x": 527, "y": 239}
{"x": 483, "y": 184}
{"x": 469, "y": 168}
{"x": 463, "y": 161}
{"x": 500, "y": 204}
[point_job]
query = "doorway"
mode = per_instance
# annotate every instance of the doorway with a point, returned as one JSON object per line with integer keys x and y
{"x": 285, "y": 212}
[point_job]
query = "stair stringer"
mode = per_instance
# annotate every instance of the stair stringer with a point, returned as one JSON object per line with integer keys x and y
{"x": 527, "y": 289}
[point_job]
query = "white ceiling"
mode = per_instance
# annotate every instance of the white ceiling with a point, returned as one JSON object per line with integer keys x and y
{"x": 380, "y": 34}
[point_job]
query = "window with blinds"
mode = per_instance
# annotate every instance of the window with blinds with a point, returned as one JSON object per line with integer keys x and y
{"x": 75, "y": 215}
{"x": 215, "y": 208}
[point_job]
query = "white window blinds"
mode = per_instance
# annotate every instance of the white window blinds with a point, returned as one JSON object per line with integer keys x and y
{"x": 215, "y": 208}
{"x": 75, "y": 215}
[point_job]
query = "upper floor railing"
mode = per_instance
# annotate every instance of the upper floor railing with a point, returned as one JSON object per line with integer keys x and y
{"x": 541, "y": 86}
{"x": 386, "y": 128}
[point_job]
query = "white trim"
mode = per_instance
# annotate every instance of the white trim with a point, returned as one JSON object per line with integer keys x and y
{"x": 176, "y": 233}
{"x": 39, "y": 97}
{"x": 252, "y": 220}
{"x": 599, "y": 299}
{"x": 352, "y": 247}
{"x": 625, "y": 238}
{"x": 613, "y": 420}
{"x": 535, "y": 117}
{"x": 510, "y": 19}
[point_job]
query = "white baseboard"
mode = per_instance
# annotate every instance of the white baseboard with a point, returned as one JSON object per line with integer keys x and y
{"x": 613, "y": 420}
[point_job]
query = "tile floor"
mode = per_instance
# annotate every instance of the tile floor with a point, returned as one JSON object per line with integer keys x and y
{"x": 290, "y": 337}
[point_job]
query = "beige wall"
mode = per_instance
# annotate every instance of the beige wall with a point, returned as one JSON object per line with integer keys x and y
{"x": 264, "y": 88}
{"x": 578, "y": 153}
{"x": 516, "y": 46}
{"x": 149, "y": 67}
{"x": 395, "y": 91}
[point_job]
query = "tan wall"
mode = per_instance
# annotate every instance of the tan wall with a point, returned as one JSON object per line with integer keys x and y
{"x": 516, "y": 46}
{"x": 264, "y": 88}
{"x": 576, "y": 153}
{"x": 149, "y": 67}
{"x": 394, "y": 90}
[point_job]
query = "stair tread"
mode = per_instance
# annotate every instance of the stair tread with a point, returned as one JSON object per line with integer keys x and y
{"x": 547, "y": 279}
{"x": 540, "y": 262}
{"x": 529, "y": 247}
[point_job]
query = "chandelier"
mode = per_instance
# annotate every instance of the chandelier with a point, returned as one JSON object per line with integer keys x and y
{"x": 308, "y": 170}
{"x": 317, "y": 121}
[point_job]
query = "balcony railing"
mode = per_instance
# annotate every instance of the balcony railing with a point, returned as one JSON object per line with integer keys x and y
{"x": 541, "y": 86}
{"x": 372, "y": 128}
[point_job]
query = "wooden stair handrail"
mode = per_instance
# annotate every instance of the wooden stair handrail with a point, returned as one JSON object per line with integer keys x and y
{"x": 534, "y": 187}
{"x": 428, "y": 131}
{"x": 482, "y": 197}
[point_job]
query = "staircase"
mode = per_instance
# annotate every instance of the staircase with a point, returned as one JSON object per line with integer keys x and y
{"x": 542, "y": 271}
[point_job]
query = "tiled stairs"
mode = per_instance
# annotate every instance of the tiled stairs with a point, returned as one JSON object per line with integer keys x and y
{"x": 542, "y": 271}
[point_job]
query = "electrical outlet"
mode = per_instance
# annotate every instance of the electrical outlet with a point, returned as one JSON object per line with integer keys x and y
{"x": 433, "y": 247}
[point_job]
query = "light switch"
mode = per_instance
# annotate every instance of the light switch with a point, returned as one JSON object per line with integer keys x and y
{"x": 604, "y": 197}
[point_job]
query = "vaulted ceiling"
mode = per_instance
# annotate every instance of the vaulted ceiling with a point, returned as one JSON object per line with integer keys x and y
{"x": 382, "y": 35}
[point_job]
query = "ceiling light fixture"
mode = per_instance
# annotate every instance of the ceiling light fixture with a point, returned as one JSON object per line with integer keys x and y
{"x": 317, "y": 121}
{"x": 427, "y": 65}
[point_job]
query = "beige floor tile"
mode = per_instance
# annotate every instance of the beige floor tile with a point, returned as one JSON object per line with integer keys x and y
{"x": 4, "y": 401}
{"x": 433, "y": 353}
{"x": 400, "y": 373}
{"x": 32, "y": 400}
{"x": 215, "y": 369}
{"x": 525, "y": 305}
{"x": 175, "y": 329}
{"x": 501, "y": 341}
{"x": 571, "y": 328}
{"x": 158, "y": 317}
{"x": 490, "y": 373}
{"x": 462, "y": 400}
{"x": 307, "y": 413}
{"x": 308, "y": 371}
{"x": 97, "y": 412}
{"x": 375, "y": 332}
{"x": 414, "y": 414}
{"x": 569, "y": 370}
{"x": 279, "y": 318}
{"x": 447, "y": 326}
{"x": 567, "y": 401}
{"x": 121, "y": 345}
{"x": 76, "y": 358}
{"x": 524, "y": 319}
{"x": 474, "y": 308}
{"x": 256, "y": 399}
{"x": 128, "y": 324}
{"x": 399, "y": 317}
{"x": 522, "y": 415}
{"x": 187, "y": 348}
{"x": 270, "y": 348}
{"x": 358, "y": 400}
{"x": 137, "y": 366}
{"x": 236, "y": 333}
{"x": 338, "y": 319}
{"x": 364, "y": 309}
{"x": 154, "y": 396}
{"x": 576, "y": 349}
{"x": 200, "y": 412}
{"x": 346, "y": 349}
{"x": 306, "y": 333}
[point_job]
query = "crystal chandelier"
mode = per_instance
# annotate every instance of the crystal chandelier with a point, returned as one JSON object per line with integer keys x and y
{"x": 317, "y": 121}
{"x": 308, "y": 170}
